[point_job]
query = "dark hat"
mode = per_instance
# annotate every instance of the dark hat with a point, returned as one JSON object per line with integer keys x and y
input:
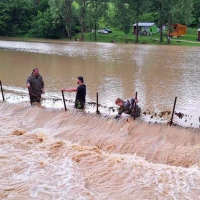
{"x": 80, "y": 78}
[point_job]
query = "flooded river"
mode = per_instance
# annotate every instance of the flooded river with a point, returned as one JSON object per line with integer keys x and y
{"x": 157, "y": 73}
{"x": 46, "y": 153}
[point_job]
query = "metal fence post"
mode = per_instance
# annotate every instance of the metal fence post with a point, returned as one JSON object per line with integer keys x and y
{"x": 135, "y": 105}
{"x": 64, "y": 99}
{"x": 2, "y": 91}
{"x": 171, "y": 121}
{"x": 97, "y": 103}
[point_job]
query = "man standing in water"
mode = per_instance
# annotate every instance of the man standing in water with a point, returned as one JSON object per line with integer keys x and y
{"x": 35, "y": 86}
{"x": 80, "y": 93}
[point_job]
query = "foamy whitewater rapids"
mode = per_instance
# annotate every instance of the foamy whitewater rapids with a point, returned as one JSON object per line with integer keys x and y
{"x": 52, "y": 154}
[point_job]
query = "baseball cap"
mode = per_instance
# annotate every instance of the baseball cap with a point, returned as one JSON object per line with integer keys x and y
{"x": 80, "y": 78}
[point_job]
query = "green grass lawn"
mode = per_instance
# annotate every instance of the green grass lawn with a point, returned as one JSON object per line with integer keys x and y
{"x": 119, "y": 36}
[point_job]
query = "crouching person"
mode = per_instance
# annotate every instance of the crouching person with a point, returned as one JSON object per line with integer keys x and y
{"x": 127, "y": 107}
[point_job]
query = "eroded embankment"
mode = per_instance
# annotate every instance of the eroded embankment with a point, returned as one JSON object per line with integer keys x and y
{"x": 156, "y": 143}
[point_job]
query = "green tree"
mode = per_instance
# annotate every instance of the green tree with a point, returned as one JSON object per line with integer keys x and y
{"x": 96, "y": 10}
{"x": 42, "y": 26}
{"x": 5, "y": 18}
{"x": 82, "y": 15}
{"x": 158, "y": 5}
{"x": 127, "y": 26}
{"x": 123, "y": 16}
{"x": 110, "y": 15}
{"x": 140, "y": 7}
{"x": 196, "y": 13}
{"x": 182, "y": 12}
{"x": 50, "y": 23}
{"x": 18, "y": 17}
{"x": 149, "y": 17}
{"x": 171, "y": 9}
{"x": 67, "y": 11}
{"x": 41, "y": 5}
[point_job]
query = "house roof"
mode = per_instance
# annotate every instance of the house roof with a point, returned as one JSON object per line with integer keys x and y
{"x": 144, "y": 24}
{"x": 198, "y": 29}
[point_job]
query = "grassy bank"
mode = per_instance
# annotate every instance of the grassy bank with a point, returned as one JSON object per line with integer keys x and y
{"x": 118, "y": 36}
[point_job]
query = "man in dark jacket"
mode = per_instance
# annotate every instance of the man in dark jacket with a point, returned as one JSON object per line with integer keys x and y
{"x": 80, "y": 93}
{"x": 35, "y": 86}
{"x": 127, "y": 107}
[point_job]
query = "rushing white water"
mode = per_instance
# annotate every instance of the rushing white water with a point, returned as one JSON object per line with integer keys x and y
{"x": 52, "y": 154}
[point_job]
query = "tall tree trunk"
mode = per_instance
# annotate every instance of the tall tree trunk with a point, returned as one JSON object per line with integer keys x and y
{"x": 95, "y": 22}
{"x": 138, "y": 12}
{"x": 160, "y": 22}
{"x": 161, "y": 32}
{"x": 136, "y": 38}
{"x": 90, "y": 34}
{"x": 95, "y": 31}
{"x": 83, "y": 18}
{"x": 169, "y": 26}
{"x": 68, "y": 10}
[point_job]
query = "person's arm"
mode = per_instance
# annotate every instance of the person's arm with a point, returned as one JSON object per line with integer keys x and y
{"x": 119, "y": 113}
{"x": 42, "y": 85}
{"x": 127, "y": 103}
{"x": 117, "y": 116}
{"x": 43, "y": 90}
{"x": 28, "y": 82}
{"x": 69, "y": 90}
{"x": 130, "y": 103}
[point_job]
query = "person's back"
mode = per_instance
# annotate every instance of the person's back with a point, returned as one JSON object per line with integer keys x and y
{"x": 128, "y": 107}
{"x": 80, "y": 96}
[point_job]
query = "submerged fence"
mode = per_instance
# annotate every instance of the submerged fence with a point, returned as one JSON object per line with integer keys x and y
{"x": 175, "y": 116}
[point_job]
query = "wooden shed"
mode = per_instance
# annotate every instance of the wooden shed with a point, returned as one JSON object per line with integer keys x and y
{"x": 178, "y": 30}
{"x": 198, "y": 34}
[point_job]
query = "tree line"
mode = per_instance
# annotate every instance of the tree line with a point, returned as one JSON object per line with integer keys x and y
{"x": 64, "y": 18}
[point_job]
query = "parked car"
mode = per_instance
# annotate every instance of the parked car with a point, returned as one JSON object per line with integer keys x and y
{"x": 103, "y": 31}
{"x": 108, "y": 30}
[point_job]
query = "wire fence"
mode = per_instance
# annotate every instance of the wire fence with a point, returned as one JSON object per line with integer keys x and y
{"x": 176, "y": 116}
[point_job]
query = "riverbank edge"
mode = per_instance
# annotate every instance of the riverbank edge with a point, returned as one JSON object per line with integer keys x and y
{"x": 174, "y": 42}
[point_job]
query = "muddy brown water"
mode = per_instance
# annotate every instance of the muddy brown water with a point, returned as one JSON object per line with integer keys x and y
{"x": 52, "y": 154}
{"x": 157, "y": 73}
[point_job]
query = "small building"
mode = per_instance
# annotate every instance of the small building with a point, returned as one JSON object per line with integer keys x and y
{"x": 145, "y": 28}
{"x": 177, "y": 30}
{"x": 198, "y": 34}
